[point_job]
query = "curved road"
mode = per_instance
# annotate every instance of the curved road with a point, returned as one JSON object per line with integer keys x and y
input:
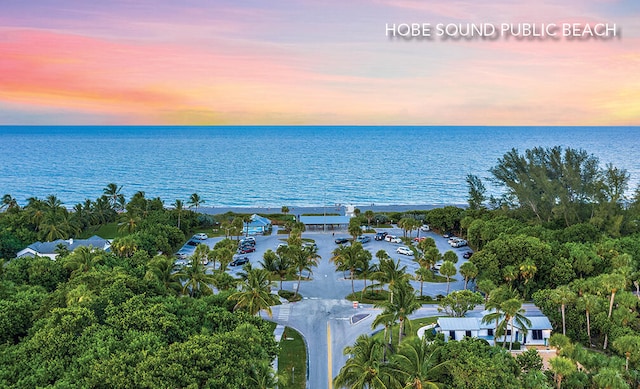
{"x": 324, "y": 318}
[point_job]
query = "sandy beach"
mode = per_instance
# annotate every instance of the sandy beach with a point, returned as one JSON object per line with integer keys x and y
{"x": 333, "y": 209}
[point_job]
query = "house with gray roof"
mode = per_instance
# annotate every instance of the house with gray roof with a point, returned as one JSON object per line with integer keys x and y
{"x": 48, "y": 249}
{"x": 456, "y": 328}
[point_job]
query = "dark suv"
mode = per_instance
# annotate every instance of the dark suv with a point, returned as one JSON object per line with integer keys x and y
{"x": 239, "y": 261}
{"x": 380, "y": 235}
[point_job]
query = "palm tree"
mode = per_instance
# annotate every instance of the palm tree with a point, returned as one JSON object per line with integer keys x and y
{"x": 303, "y": 258}
{"x": 224, "y": 256}
{"x": 255, "y": 294}
{"x": 160, "y": 269}
{"x": 431, "y": 256}
{"x": 497, "y": 296}
{"x": 404, "y": 304}
{"x": 563, "y": 295}
{"x": 125, "y": 246}
{"x": 448, "y": 270}
{"x": 421, "y": 274}
{"x": 269, "y": 263}
{"x": 561, "y": 367}
{"x": 589, "y": 303}
{"x": 349, "y": 257}
{"x": 201, "y": 253}
{"x": 363, "y": 370}
{"x": 368, "y": 214}
{"x": 386, "y": 318}
{"x": 469, "y": 271}
{"x": 380, "y": 255}
{"x": 611, "y": 283}
{"x": 513, "y": 312}
{"x": 485, "y": 286}
{"x": 355, "y": 231}
{"x": 178, "y": 205}
{"x": 610, "y": 378}
{"x": 113, "y": 193}
{"x": 82, "y": 259}
{"x": 57, "y": 224}
{"x": 128, "y": 223}
{"x": 277, "y": 264}
{"x": 528, "y": 270}
{"x": 195, "y": 201}
{"x": 392, "y": 274}
{"x": 366, "y": 270}
{"x": 8, "y": 202}
{"x": 415, "y": 366}
{"x": 262, "y": 376}
{"x": 196, "y": 281}
{"x": 284, "y": 210}
{"x": 628, "y": 345}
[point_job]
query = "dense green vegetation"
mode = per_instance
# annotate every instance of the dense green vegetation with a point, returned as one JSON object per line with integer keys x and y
{"x": 128, "y": 318}
{"x": 564, "y": 234}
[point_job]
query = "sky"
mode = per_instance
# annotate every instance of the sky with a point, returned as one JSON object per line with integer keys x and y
{"x": 325, "y": 62}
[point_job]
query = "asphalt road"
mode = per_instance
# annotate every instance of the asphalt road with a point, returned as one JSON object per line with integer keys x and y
{"x": 324, "y": 317}
{"x": 327, "y": 321}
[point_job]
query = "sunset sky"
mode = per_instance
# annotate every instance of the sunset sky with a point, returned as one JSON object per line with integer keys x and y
{"x": 311, "y": 62}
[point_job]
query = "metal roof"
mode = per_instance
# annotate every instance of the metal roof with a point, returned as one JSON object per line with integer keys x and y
{"x": 475, "y": 323}
{"x": 319, "y": 220}
{"x": 259, "y": 221}
{"x": 459, "y": 323}
{"x": 70, "y": 244}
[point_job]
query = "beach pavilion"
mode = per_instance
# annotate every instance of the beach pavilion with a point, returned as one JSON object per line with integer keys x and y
{"x": 324, "y": 223}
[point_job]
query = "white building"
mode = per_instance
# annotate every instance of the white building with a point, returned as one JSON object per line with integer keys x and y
{"x": 456, "y": 328}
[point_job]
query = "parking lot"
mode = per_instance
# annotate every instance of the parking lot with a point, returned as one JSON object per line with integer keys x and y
{"x": 326, "y": 282}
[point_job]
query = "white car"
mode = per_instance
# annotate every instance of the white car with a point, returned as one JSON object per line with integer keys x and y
{"x": 201, "y": 236}
{"x": 404, "y": 250}
{"x": 392, "y": 239}
{"x": 425, "y": 228}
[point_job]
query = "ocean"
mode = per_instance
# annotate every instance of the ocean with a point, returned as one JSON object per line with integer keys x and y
{"x": 271, "y": 166}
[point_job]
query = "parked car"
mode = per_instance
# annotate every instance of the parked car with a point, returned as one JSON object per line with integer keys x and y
{"x": 239, "y": 261}
{"x": 182, "y": 255}
{"x": 392, "y": 239}
{"x": 425, "y": 228}
{"x": 246, "y": 250}
{"x": 249, "y": 239}
{"x": 341, "y": 240}
{"x": 380, "y": 235}
{"x": 457, "y": 242}
{"x": 364, "y": 239}
{"x": 419, "y": 238}
{"x": 447, "y": 235}
{"x": 247, "y": 243}
{"x": 437, "y": 266}
{"x": 192, "y": 243}
{"x": 201, "y": 236}
{"x": 467, "y": 255}
{"x": 282, "y": 245}
{"x": 404, "y": 250}
{"x": 181, "y": 262}
{"x": 310, "y": 244}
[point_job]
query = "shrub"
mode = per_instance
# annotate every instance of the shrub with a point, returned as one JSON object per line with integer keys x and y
{"x": 289, "y": 295}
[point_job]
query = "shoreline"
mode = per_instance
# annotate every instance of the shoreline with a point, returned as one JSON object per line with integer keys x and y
{"x": 333, "y": 209}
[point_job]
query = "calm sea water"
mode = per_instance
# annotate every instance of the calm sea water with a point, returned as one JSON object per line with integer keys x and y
{"x": 274, "y": 166}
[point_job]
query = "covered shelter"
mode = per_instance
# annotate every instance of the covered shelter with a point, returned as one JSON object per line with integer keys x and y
{"x": 325, "y": 222}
